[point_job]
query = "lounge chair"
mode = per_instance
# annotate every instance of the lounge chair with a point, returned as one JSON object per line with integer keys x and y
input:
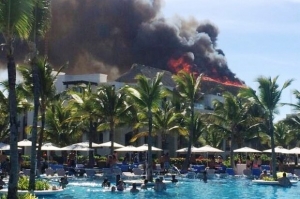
{"x": 60, "y": 172}
{"x": 49, "y": 172}
{"x": 137, "y": 171}
{"x": 297, "y": 172}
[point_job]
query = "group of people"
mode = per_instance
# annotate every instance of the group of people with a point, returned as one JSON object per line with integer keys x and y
{"x": 158, "y": 186}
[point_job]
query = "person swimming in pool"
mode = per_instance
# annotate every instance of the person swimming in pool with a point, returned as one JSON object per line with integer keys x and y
{"x": 159, "y": 185}
{"x": 134, "y": 189}
{"x": 284, "y": 181}
{"x": 121, "y": 185}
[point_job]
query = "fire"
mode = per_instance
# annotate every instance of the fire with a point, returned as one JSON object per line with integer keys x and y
{"x": 186, "y": 64}
{"x": 179, "y": 64}
{"x": 226, "y": 82}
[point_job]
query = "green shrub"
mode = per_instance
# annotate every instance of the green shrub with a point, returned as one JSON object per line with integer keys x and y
{"x": 23, "y": 184}
{"x": 41, "y": 185}
{"x": 22, "y": 196}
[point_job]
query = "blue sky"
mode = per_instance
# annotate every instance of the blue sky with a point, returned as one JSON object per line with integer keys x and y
{"x": 258, "y": 37}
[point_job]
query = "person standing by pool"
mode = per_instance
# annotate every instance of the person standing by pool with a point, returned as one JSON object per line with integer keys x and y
{"x": 161, "y": 162}
{"x": 63, "y": 182}
{"x": 174, "y": 180}
{"x": 72, "y": 157}
{"x": 204, "y": 178}
{"x": 248, "y": 162}
{"x": 166, "y": 162}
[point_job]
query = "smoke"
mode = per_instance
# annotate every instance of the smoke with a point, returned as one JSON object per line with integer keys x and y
{"x": 108, "y": 36}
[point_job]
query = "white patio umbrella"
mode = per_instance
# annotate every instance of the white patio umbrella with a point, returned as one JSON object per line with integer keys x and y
{"x": 86, "y": 144}
{"x": 4, "y": 147}
{"x": 76, "y": 147}
{"x": 108, "y": 144}
{"x": 50, "y": 147}
{"x": 129, "y": 148}
{"x": 193, "y": 150}
{"x": 210, "y": 149}
{"x": 25, "y": 142}
{"x": 246, "y": 150}
{"x": 278, "y": 149}
{"x": 295, "y": 150}
{"x": 144, "y": 147}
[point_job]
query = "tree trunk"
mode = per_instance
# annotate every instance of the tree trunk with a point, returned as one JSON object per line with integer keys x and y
{"x": 150, "y": 162}
{"x": 112, "y": 135}
{"x": 185, "y": 165}
{"x": 36, "y": 98}
{"x": 271, "y": 130}
{"x": 231, "y": 151}
{"x": 41, "y": 136}
{"x": 91, "y": 153}
{"x": 13, "y": 174}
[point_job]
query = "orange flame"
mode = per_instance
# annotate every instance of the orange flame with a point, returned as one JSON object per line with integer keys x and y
{"x": 179, "y": 64}
{"x": 182, "y": 63}
{"x": 226, "y": 82}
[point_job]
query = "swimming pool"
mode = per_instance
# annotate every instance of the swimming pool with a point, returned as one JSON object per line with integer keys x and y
{"x": 184, "y": 189}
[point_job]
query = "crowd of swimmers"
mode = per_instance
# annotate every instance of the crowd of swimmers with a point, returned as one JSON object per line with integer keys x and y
{"x": 158, "y": 186}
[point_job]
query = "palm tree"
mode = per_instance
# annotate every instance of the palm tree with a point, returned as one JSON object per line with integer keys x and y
{"x": 112, "y": 105}
{"x": 47, "y": 91}
{"x": 188, "y": 88}
{"x": 85, "y": 113}
{"x": 212, "y": 136}
{"x": 40, "y": 24}
{"x": 268, "y": 99}
{"x": 231, "y": 117}
{"x": 57, "y": 128}
{"x": 283, "y": 135}
{"x": 15, "y": 21}
{"x": 147, "y": 96}
{"x": 165, "y": 123}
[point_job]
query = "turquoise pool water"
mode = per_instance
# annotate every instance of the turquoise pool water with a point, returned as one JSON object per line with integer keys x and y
{"x": 185, "y": 189}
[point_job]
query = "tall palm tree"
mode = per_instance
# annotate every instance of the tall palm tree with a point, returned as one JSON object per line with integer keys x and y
{"x": 47, "y": 91}
{"x": 40, "y": 24}
{"x": 147, "y": 95}
{"x": 85, "y": 113}
{"x": 112, "y": 105}
{"x": 231, "y": 117}
{"x": 268, "y": 98}
{"x": 188, "y": 88}
{"x": 15, "y": 22}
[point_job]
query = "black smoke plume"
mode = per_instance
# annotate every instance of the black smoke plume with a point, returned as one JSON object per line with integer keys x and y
{"x": 108, "y": 36}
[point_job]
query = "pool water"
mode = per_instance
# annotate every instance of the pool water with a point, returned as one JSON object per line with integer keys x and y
{"x": 184, "y": 189}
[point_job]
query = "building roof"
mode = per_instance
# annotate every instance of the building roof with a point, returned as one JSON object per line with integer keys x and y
{"x": 149, "y": 72}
